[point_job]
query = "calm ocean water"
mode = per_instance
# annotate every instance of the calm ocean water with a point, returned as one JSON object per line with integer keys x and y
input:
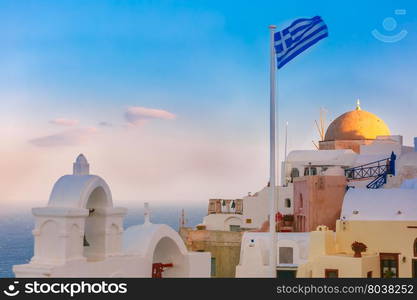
{"x": 16, "y": 240}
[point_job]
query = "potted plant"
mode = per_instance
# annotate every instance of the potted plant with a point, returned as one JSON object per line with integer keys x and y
{"x": 358, "y": 248}
{"x": 288, "y": 220}
{"x": 201, "y": 227}
{"x": 388, "y": 274}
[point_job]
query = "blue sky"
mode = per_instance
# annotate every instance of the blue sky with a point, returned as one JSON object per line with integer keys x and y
{"x": 204, "y": 61}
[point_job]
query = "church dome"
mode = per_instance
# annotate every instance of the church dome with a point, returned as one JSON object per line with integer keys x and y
{"x": 356, "y": 125}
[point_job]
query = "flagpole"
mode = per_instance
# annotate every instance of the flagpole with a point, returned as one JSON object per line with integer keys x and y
{"x": 272, "y": 164}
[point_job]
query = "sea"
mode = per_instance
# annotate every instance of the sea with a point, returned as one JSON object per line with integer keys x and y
{"x": 16, "y": 239}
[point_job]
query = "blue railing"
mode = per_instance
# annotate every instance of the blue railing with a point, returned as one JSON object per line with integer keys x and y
{"x": 377, "y": 182}
{"x": 377, "y": 169}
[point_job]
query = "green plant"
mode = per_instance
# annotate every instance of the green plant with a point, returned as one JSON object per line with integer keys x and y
{"x": 388, "y": 274}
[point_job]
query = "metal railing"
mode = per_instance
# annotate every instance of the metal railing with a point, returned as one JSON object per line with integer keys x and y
{"x": 377, "y": 182}
{"x": 372, "y": 169}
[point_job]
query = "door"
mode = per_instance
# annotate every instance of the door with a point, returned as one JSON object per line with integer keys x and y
{"x": 414, "y": 266}
{"x": 331, "y": 273}
{"x": 286, "y": 273}
{"x": 389, "y": 265}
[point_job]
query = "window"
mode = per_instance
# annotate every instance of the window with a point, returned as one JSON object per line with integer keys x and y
{"x": 301, "y": 200}
{"x": 369, "y": 274}
{"x": 389, "y": 265}
{"x": 286, "y": 255}
{"x": 288, "y": 202}
{"x": 415, "y": 248}
{"x": 286, "y": 273}
{"x": 310, "y": 171}
{"x": 331, "y": 273}
{"x": 234, "y": 227}
{"x": 248, "y": 221}
{"x": 213, "y": 267}
{"x": 294, "y": 173}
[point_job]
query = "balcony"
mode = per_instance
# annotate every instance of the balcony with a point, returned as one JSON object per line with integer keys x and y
{"x": 225, "y": 206}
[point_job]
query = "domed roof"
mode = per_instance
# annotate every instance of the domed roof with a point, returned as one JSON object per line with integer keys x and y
{"x": 356, "y": 125}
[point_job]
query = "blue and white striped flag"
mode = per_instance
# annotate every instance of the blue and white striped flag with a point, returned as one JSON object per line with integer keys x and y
{"x": 299, "y": 36}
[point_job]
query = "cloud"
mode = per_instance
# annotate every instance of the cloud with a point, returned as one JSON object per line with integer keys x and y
{"x": 64, "y": 122}
{"x": 66, "y": 138}
{"x": 136, "y": 115}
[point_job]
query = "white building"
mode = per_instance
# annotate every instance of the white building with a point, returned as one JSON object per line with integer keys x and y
{"x": 292, "y": 251}
{"x": 80, "y": 234}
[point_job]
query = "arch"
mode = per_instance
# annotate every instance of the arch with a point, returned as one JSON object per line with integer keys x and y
{"x": 46, "y": 246}
{"x": 95, "y": 234}
{"x": 97, "y": 198}
{"x": 78, "y": 190}
{"x": 115, "y": 238}
{"x": 232, "y": 223}
{"x": 142, "y": 239}
{"x": 167, "y": 251}
{"x": 76, "y": 238}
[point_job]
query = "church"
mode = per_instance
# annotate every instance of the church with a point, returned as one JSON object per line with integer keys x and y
{"x": 346, "y": 209}
{"x": 80, "y": 234}
{"x": 358, "y": 158}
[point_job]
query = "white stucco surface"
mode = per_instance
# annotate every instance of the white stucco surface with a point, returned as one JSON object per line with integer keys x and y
{"x": 254, "y": 253}
{"x": 380, "y": 204}
{"x": 80, "y": 234}
{"x": 323, "y": 157}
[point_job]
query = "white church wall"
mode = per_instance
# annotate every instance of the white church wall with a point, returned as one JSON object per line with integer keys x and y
{"x": 80, "y": 211}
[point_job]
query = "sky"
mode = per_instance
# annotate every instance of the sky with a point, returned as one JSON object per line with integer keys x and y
{"x": 168, "y": 100}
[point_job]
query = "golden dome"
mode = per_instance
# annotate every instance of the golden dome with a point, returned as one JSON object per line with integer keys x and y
{"x": 356, "y": 125}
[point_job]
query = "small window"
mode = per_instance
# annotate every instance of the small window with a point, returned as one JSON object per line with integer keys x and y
{"x": 213, "y": 267}
{"x": 286, "y": 255}
{"x": 288, "y": 202}
{"x": 248, "y": 221}
{"x": 234, "y": 227}
{"x": 301, "y": 201}
{"x": 331, "y": 273}
{"x": 310, "y": 171}
{"x": 294, "y": 173}
{"x": 369, "y": 274}
{"x": 415, "y": 247}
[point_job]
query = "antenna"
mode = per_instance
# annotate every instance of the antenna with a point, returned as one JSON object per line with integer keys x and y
{"x": 286, "y": 141}
{"x": 321, "y": 125}
{"x": 183, "y": 221}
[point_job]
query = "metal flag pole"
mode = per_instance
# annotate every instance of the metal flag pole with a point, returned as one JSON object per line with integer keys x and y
{"x": 272, "y": 180}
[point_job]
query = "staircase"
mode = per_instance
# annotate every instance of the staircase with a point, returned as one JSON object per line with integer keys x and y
{"x": 377, "y": 169}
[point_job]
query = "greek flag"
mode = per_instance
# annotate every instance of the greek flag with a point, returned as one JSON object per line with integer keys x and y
{"x": 299, "y": 36}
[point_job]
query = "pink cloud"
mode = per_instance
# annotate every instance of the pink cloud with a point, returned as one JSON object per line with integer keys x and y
{"x": 64, "y": 122}
{"x": 136, "y": 115}
{"x": 66, "y": 138}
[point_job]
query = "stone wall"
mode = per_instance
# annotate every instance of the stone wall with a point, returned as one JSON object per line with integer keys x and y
{"x": 224, "y": 247}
